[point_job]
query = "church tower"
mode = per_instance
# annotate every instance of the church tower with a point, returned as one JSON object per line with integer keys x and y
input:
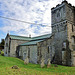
{"x": 63, "y": 29}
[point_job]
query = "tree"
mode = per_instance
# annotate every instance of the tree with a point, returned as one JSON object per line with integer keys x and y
{"x": 2, "y": 43}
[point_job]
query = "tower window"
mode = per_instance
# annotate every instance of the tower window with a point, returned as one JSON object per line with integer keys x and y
{"x": 48, "y": 49}
{"x": 58, "y": 14}
{"x": 6, "y": 44}
{"x": 58, "y": 28}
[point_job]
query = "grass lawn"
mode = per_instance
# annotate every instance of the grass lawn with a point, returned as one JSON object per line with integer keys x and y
{"x": 31, "y": 69}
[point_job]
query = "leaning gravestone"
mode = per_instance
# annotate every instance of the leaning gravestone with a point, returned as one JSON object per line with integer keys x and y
{"x": 42, "y": 63}
{"x": 48, "y": 63}
{"x": 15, "y": 67}
{"x": 26, "y": 61}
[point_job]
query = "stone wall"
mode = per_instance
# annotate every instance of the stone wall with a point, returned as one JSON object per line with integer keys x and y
{"x": 60, "y": 47}
{"x": 59, "y": 30}
{"x": 63, "y": 29}
{"x": 30, "y": 52}
{"x": 58, "y": 14}
{"x": 71, "y": 35}
{"x": 70, "y": 16}
{"x": 6, "y": 46}
{"x": 13, "y": 46}
{"x": 70, "y": 13}
{"x": 46, "y": 50}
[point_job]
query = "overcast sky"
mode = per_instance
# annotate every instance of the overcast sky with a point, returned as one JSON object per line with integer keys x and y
{"x": 34, "y": 11}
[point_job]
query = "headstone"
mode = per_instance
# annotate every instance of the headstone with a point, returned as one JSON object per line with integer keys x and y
{"x": 42, "y": 63}
{"x": 48, "y": 63}
{"x": 15, "y": 67}
{"x": 26, "y": 61}
{"x": 55, "y": 65}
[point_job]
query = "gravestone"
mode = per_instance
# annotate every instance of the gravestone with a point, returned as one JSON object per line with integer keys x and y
{"x": 42, "y": 63}
{"x": 26, "y": 61}
{"x": 15, "y": 67}
{"x": 48, "y": 63}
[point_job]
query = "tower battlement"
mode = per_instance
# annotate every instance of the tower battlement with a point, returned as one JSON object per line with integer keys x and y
{"x": 63, "y": 2}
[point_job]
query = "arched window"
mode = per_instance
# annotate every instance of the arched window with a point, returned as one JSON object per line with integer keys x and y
{"x": 28, "y": 52}
{"x": 48, "y": 49}
{"x": 64, "y": 46}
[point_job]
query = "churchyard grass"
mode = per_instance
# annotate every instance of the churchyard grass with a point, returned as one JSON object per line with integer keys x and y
{"x": 6, "y": 64}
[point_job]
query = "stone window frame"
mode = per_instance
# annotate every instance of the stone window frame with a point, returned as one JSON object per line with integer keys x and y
{"x": 38, "y": 51}
{"x": 6, "y": 44}
{"x": 20, "y": 51}
{"x": 48, "y": 49}
{"x": 28, "y": 52}
{"x": 6, "y": 51}
{"x": 64, "y": 46}
{"x": 24, "y": 54}
{"x": 73, "y": 39}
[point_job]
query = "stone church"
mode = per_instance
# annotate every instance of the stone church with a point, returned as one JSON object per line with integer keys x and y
{"x": 59, "y": 46}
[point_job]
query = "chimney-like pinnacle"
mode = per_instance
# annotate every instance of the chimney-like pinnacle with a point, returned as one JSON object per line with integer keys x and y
{"x": 64, "y": 1}
{"x": 30, "y": 36}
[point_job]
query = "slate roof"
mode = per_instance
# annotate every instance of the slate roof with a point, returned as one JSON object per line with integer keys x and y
{"x": 29, "y": 38}
{"x": 31, "y": 43}
{"x": 41, "y": 37}
{"x": 35, "y": 40}
{"x": 20, "y": 37}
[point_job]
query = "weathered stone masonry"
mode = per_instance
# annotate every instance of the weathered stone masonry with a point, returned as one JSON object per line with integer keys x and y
{"x": 63, "y": 23}
{"x": 59, "y": 46}
{"x": 11, "y": 44}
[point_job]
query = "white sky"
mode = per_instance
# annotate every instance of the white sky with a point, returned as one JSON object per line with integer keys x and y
{"x": 38, "y": 11}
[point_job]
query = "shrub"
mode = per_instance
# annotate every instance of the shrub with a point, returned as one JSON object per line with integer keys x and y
{"x": 2, "y": 53}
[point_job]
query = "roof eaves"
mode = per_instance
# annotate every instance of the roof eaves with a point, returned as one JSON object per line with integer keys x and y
{"x": 14, "y": 37}
{"x": 30, "y": 43}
